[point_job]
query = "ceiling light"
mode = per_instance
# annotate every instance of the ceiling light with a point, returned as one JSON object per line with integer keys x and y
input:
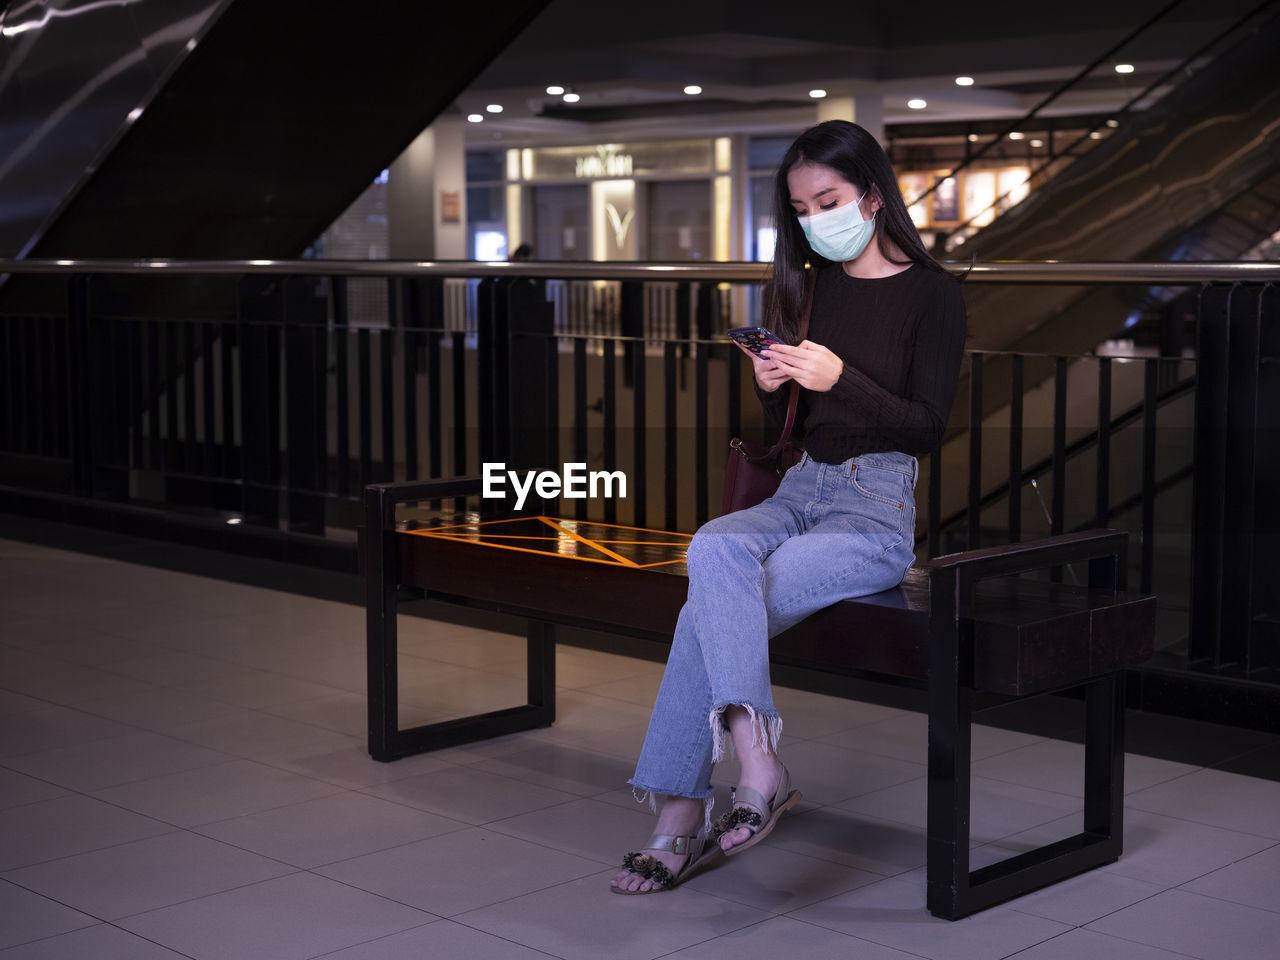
{"x": 1037, "y": 143}
{"x": 1015, "y": 135}
{"x": 555, "y": 90}
{"x": 817, "y": 94}
{"x": 571, "y": 98}
{"x": 917, "y": 104}
{"x": 475, "y": 117}
{"x": 1113, "y": 123}
{"x": 1095, "y": 135}
{"x": 1124, "y": 68}
{"x": 693, "y": 89}
{"x": 494, "y": 108}
{"x": 964, "y": 81}
{"x": 973, "y": 138}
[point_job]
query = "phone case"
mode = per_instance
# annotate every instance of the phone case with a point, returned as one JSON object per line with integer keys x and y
{"x": 754, "y": 339}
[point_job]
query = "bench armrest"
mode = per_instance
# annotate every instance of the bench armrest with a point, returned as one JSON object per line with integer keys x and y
{"x": 1091, "y": 545}
{"x": 389, "y": 494}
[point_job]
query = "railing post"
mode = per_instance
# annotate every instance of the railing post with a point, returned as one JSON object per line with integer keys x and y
{"x": 101, "y": 448}
{"x": 1264, "y": 639}
{"x": 1235, "y": 610}
{"x": 975, "y": 452}
{"x": 306, "y": 434}
{"x": 260, "y": 308}
{"x": 533, "y": 383}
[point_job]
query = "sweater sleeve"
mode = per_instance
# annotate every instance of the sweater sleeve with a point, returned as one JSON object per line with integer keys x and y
{"x": 920, "y": 417}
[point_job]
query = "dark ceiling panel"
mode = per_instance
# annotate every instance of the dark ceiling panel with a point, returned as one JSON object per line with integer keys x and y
{"x": 280, "y": 116}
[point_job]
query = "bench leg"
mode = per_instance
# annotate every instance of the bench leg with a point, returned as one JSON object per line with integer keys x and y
{"x": 950, "y": 727}
{"x": 954, "y": 891}
{"x": 381, "y": 643}
{"x": 541, "y": 642}
{"x": 1104, "y": 761}
{"x": 388, "y": 742}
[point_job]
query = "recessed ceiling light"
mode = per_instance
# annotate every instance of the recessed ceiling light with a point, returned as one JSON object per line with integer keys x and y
{"x": 571, "y": 98}
{"x": 817, "y": 94}
{"x": 475, "y": 117}
{"x": 494, "y": 108}
{"x": 555, "y": 90}
{"x": 964, "y": 81}
{"x": 917, "y": 104}
{"x": 693, "y": 89}
{"x": 1037, "y": 143}
{"x": 1015, "y": 135}
{"x": 973, "y": 138}
{"x": 1095, "y": 135}
{"x": 1113, "y": 123}
{"x": 1124, "y": 68}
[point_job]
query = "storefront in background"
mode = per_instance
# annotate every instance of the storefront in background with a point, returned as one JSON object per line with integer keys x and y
{"x": 664, "y": 200}
{"x": 704, "y": 199}
{"x": 970, "y": 199}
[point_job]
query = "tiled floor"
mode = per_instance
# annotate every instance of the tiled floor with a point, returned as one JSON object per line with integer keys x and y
{"x": 183, "y": 774}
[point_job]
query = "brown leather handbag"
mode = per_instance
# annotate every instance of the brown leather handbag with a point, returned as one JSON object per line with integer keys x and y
{"x": 752, "y": 473}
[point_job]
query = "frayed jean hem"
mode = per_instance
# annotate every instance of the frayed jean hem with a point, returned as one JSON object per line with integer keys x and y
{"x": 642, "y": 794}
{"x": 766, "y": 730}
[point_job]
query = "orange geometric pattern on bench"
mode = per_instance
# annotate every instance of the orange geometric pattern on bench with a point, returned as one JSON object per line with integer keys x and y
{"x": 610, "y": 543}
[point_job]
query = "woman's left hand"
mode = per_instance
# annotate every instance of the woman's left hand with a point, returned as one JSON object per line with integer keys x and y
{"x": 810, "y": 364}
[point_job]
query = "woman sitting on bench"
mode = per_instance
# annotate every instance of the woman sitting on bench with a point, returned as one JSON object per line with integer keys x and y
{"x": 877, "y": 373}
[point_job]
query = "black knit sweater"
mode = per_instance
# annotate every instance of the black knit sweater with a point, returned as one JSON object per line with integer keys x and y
{"x": 901, "y": 339}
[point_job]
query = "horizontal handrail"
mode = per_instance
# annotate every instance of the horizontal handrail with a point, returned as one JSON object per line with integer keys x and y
{"x": 1172, "y": 273}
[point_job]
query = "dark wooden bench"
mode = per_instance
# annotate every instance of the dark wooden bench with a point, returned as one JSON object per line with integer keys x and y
{"x": 963, "y": 625}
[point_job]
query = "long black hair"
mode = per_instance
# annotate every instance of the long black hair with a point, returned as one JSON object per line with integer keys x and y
{"x": 858, "y": 157}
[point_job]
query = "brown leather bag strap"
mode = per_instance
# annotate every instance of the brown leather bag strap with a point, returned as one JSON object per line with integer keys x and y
{"x": 794, "y": 399}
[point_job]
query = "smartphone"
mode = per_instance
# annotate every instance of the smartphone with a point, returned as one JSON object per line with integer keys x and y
{"x": 754, "y": 339}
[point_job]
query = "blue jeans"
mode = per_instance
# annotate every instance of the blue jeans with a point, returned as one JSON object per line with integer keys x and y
{"x": 832, "y": 531}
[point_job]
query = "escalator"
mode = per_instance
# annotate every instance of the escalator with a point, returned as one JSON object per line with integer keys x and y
{"x": 1192, "y": 177}
{"x": 211, "y": 129}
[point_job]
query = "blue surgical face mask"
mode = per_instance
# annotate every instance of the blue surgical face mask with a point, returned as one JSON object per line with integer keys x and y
{"x": 841, "y": 234}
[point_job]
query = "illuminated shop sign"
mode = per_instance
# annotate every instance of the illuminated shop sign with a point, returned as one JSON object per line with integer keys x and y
{"x": 617, "y": 160}
{"x": 603, "y": 163}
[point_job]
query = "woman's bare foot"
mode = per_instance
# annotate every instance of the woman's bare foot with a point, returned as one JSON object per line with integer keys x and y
{"x": 761, "y": 769}
{"x": 679, "y": 816}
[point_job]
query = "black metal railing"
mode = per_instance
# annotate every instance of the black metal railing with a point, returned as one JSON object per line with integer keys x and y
{"x": 270, "y": 393}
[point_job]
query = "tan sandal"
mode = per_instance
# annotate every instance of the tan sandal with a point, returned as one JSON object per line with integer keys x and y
{"x": 651, "y": 868}
{"x": 756, "y": 814}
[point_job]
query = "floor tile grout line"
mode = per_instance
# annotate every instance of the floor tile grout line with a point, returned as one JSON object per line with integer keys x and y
{"x": 1143, "y": 943}
{"x": 1222, "y": 899}
{"x": 1202, "y": 823}
{"x": 818, "y": 926}
{"x": 1157, "y": 891}
{"x": 453, "y": 917}
{"x": 115, "y": 921}
{"x": 93, "y": 926}
{"x": 489, "y": 933}
{"x": 371, "y": 940}
{"x": 5, "y": 874}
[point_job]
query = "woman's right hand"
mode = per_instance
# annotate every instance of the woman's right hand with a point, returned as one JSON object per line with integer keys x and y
{"x": 768, "y": 373}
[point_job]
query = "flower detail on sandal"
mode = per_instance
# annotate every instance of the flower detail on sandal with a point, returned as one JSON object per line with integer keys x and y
{"x": 758, "y": 814}
{"x": 650, "y": 868}
{"x": 732, "y": 819}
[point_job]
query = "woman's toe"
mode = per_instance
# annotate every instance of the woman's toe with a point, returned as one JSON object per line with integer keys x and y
{"x": 734, "y": 837}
